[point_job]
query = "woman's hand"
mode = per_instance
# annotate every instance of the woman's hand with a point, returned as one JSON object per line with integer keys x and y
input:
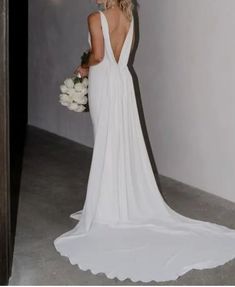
{"x": 82, "y": 71}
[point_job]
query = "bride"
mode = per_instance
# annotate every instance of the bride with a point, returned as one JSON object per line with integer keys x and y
{"x": 126, "y": 229}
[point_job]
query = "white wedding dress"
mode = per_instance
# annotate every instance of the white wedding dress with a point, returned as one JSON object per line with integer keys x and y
{"x": 126, "y": 229}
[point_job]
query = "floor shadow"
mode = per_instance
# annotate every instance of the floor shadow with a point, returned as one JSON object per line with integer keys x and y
{"x": 138, "y": 96}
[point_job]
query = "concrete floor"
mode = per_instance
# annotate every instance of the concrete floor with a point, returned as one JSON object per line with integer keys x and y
{"x": 55, "y": 173}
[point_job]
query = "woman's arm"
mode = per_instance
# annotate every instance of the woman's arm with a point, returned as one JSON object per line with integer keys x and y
{"x": 97, "y": 40}
{"x": 97, "y": 44}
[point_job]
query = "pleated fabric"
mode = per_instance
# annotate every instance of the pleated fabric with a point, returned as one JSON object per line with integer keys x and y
{"x": 126, "y": 230}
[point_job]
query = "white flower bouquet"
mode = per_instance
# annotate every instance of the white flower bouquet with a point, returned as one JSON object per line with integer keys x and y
{"x": 74, "y": 94}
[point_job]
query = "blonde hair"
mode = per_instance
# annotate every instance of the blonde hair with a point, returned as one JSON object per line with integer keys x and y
{"x": 125, "y": 5}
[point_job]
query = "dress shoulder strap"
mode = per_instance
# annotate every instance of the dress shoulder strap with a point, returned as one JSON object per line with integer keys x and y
{"x": 103, "y": 24}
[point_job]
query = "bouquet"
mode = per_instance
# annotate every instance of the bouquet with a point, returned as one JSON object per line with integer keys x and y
{"x": 74, "y": 94}
{"x": 74, "y": 91}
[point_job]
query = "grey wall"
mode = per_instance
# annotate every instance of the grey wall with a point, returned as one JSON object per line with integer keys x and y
{"x": 57, "y": 38}
{"x": 186, "y": 68}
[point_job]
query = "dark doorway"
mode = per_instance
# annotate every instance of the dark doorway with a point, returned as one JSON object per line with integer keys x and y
{"x": 13, "y": 121}
{"x": 4, "y": 148}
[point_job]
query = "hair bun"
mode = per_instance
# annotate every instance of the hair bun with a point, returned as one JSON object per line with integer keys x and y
{"x": 123, "y": 4}
{"x": 127, "y": 7}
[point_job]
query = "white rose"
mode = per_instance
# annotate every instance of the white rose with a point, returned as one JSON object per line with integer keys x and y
{"x": 63, "y": 89}
{"x": 85, "y": 82}
{"x": 83, "y": 101}
{"x": 73, "y": 106}
{"x": 64, "y": 103}
{"x": 78, "y": 87}
{"x": 71, "y": 92}
{"x": 64, "y": 97}
{"x": 80, "y": 98}
{"x": 69, "y": 83}
{"x": 85, "y": 91}
{"x": 81, "y": 93}
{"x": 80, "y": 108}
{"x": 77, "y": 97}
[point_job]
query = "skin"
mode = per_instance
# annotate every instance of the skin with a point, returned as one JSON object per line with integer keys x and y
{"x": 97, "y": 42}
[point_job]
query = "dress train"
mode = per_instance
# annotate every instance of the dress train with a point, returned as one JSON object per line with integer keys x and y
{"x": 126, "y": 230}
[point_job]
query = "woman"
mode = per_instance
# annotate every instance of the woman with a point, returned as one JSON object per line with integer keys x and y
{"x": 126, "y": 229}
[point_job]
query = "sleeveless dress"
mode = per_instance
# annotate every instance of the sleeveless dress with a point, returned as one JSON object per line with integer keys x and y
{"x": 126, "y": 229}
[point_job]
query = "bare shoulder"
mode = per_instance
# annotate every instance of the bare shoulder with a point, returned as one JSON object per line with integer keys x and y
{"x": 94, "y": 17}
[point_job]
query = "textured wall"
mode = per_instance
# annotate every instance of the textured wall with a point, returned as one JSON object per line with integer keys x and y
{"x": 57, "y": 37}
{"x": 186, "y": 68}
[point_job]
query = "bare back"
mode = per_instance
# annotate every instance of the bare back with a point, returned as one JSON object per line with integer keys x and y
{"x": 118, "y": 29}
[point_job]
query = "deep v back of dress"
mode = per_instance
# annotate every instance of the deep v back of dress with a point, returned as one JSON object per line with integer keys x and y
{"x": 107, "y": 37}
{"x": 126, "y": 229}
